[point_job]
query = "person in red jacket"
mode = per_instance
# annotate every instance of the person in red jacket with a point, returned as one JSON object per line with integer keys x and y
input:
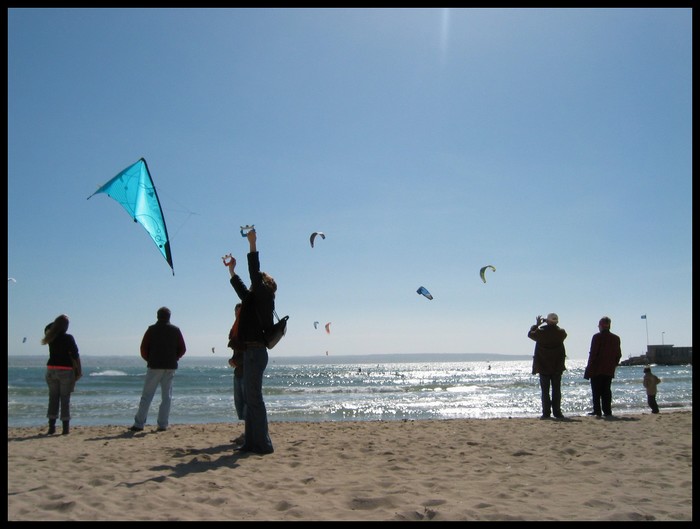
{"x": 162, "y": 346}
{"x": 603, "y": 359}
{"x": 236, "y": 362}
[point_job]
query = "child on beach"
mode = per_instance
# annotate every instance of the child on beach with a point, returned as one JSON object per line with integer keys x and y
{"x": 650, "y": 382}
{"x": 236, "y": 362}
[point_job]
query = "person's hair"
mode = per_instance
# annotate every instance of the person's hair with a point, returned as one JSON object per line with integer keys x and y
{"x": 605, "y": 322}
{"x": 163, "y": 314}
{"x": 269, "y": 282}
{"x": 55, "y": 329}
{"x": 647, "y": 370}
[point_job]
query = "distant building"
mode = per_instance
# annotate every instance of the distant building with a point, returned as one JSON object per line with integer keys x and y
{"x": 669, "y": 355}
{"x": 662, "y": 355}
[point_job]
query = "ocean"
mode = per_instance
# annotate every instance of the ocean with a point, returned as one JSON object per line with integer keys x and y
{"x": 351, "y": 388}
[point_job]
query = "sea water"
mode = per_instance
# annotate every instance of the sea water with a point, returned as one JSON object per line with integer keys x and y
{"x": 321, "y": 389}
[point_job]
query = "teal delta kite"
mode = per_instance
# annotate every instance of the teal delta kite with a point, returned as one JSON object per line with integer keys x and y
{"x": 133, "y": 188}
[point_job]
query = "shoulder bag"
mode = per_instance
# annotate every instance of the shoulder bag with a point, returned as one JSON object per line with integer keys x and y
{"x": 278, "y": 330}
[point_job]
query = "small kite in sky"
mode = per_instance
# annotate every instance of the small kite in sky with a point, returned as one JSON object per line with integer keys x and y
{"x": 24, "y": 340}
{"x": 328, "y": 327}
{"x": 133, "y": 188}
{"x": 482, "y": 272}
{"x": 313, "y": 237}
{"x": 12, "y": 279}
{"x": 424, "y": 292}
{"x": 315, "y": 325}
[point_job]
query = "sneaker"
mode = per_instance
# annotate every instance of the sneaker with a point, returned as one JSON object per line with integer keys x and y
{"x": 161, "y": 429}
{"x": 135, "y": 429}
{"x": 239, "y": 440}
{"x": 560, "y": 417}
{"x": 545, "y": 417}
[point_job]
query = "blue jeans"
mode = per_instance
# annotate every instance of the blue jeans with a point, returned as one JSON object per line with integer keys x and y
{"x": 61, "y": 383}
{"x": 257, "y": 438}
{"x": 239, "y": 396}
{"x": 154, "y": 377}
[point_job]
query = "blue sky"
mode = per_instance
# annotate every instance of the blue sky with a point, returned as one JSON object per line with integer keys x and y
{"x": 553, "y": 144}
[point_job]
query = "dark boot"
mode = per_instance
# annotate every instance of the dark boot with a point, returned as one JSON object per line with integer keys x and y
{"x": 52, "y": 427}
{"x": 66, "y": 429}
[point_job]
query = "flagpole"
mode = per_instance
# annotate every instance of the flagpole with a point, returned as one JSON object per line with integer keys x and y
{"x": 646, "y": 323}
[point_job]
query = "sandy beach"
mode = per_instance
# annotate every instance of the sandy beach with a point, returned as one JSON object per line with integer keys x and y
{"x": 629, "y": 468}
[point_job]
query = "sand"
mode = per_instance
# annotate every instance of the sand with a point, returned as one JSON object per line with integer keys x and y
{"x": 630, "y": 468}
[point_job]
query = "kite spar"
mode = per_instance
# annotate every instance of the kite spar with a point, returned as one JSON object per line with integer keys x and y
{"x": 133, "y": 188}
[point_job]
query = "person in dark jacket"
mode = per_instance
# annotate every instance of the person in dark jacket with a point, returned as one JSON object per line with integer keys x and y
{"x": 549, "y": 362}
{"x": 63, "y": 369}
{"x": 603, "y": 359}
{"x": 257, "y": 307}
{"x": 161, "y": 347}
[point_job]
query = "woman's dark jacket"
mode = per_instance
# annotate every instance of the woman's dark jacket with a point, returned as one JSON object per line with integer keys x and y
{"x": 62, "y": 350}
{"x": 257, "y": 303}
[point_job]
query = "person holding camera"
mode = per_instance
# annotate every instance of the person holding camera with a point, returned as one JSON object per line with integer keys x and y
{"x": 549, "y": 362}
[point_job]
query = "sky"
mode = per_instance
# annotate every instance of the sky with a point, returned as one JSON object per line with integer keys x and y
{"x": 552, "y": 144}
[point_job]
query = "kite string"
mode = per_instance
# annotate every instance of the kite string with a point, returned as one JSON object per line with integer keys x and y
{"x": 184, "y": 209}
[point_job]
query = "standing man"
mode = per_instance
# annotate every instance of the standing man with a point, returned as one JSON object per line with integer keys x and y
{"x": 162, "y": 346}
{"x": 549, "y": 362}
{"x": 603, "y": 359}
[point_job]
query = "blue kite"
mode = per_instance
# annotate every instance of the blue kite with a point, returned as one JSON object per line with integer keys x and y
{"x": 424, "y": 291}
{"x": 133, "y": 188}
